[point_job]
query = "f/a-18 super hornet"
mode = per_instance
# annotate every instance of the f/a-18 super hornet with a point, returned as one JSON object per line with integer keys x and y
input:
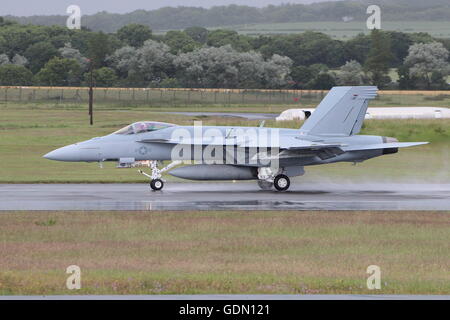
{"x": 271, "y": 156}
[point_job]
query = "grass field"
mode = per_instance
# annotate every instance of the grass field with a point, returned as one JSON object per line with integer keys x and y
{"x": 224, "y": 252}
{"x": 345, "y": 30}
{"x": 29, "y": 131}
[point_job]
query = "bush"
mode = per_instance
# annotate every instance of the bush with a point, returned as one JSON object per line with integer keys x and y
{"x": 14, "y": 75}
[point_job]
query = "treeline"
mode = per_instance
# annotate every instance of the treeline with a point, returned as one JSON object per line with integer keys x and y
{"x": 184, "y": 17}
{"x": 198, "y": 58}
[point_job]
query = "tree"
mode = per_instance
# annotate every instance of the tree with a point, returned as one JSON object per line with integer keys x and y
{"x": 323, "y": 81}
{"x": 357, "y": 48}
{"x": 198, "y": 34}
{"x": 306, "y": 49}
{"x": 400, "y": 43}
{"x": 59, "y": 41}
{"x": 446, "y": 44}
{"x": 59, "y": 72}
{"x": 406, "y": 81}
{"x": 220, "y": 38}
{"x": 421, "y": 37}
{"x": 99, "y": 47}
{"x": 319, "y": 68}
{"x": 39, "y": 54}
{"x": 19, "y": 60}
{"x": 152, "y": 62}
{"x": 179, "y": 41}
{"x": 351, "y": 74}
{"x": 438, "y": 81}
{"x": 429, "y": 62}
{"x": 15, "y": 75}
{"x": 301, "y": 76}
{"x": 4, "y": 59}
{"x": 17, "y": 38}
{"x": 71, "y": 53}
{"x": 134, "y": 34}
{"x": 225, "y": 67}
{"x": 103, "y": 77}
{"x": 379, "y": 59}
{"x": 79, "y": 40}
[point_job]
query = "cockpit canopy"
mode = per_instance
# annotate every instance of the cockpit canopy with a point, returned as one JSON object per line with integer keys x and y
{"x": 144, "y": 126}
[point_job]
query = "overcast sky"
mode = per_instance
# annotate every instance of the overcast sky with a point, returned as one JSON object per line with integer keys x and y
{"x": 41, "y": 7}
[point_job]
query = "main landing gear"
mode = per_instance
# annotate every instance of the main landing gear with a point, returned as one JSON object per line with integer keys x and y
{"x": 269, "y": 178}
{"x": 156, "y": 181}
{"x": 282, "y": 182}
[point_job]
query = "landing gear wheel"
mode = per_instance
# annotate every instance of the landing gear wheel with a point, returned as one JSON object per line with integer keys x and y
{"x": 157, "y": 184}
{"x": 282, "y": 182}
{"x": 265, "y": 185}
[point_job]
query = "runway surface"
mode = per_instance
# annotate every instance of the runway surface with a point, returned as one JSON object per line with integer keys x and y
{"x": 224, "y": 196}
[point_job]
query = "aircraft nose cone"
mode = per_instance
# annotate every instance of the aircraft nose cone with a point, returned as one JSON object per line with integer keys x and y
{"x": 68, "y": 153}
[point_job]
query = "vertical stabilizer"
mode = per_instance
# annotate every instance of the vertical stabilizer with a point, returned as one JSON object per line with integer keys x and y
{"x": 341, "y": 112}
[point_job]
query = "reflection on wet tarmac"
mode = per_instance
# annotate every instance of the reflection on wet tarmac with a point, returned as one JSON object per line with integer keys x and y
{"x": 224, "y": 196}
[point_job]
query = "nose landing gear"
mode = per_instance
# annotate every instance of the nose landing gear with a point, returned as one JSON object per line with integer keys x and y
{"x": 156, "y": 184}
{"x": 156, "y": 181}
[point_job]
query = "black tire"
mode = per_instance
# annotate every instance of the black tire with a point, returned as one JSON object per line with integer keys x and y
{"x": 157, "y": 184}
{"x": 282, "y": 182}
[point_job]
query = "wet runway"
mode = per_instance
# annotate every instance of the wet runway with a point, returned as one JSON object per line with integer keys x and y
{"x": 224, "y": 196}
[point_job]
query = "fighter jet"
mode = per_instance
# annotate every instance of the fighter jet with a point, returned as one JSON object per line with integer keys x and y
{"x": 271, "y": 156}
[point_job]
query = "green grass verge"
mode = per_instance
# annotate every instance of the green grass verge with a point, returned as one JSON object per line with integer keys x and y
{"x": 224, "y": 252}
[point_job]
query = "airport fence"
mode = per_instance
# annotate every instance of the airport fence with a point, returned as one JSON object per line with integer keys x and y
{"x": 176, "y": 97}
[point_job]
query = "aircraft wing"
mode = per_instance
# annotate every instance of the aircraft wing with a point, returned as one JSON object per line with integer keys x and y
{"x": 292, "y": 146}
{"x": 288, "y": 146}
{"x": 384, "y": 146}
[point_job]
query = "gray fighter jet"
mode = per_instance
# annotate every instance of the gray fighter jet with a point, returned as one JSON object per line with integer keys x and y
{"x": 269, "y": 155}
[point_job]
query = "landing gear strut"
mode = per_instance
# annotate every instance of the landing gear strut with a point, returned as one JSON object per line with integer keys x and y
{"x": 156, "y": 181}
